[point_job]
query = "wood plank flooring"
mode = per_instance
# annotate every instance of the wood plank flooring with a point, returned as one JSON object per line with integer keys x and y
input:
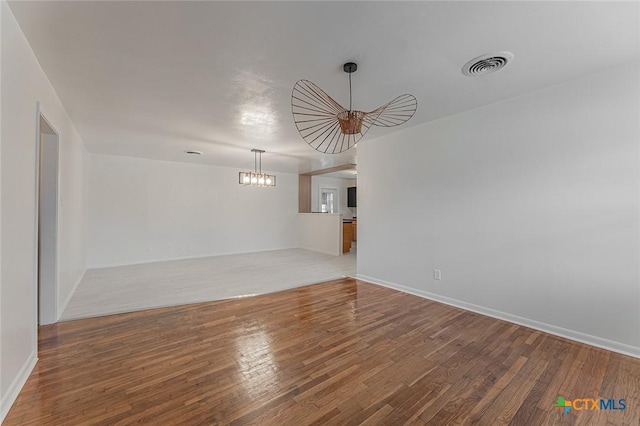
{"x": 343, "y": 352}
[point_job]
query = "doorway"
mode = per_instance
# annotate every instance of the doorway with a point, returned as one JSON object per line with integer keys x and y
{"x": 47, "y": 221}
{"x": 329, "y": 200}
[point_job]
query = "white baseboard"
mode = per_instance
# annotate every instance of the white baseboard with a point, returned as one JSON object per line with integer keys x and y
{"x": 588, "y": 339}
{"x": 16, "y": 385}
{"x": 71, "y": 293}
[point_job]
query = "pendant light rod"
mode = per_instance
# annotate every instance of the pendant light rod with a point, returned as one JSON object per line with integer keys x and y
{"x": 350, "y": 68}
{"x": 349, "y": 92}
{"x": 255, "y": 159}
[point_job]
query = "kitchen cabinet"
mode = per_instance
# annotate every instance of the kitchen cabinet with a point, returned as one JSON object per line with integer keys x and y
{"x": 354, "y": 225}
{"x": 347, "y": 236}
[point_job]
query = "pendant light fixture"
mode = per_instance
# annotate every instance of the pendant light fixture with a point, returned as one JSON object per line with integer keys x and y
{"x": 257, "y": 178}
{"x": 330, "y": 128}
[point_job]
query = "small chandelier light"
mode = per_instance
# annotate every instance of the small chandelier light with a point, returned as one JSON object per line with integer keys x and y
{"x": 257, "y": 178}
{"x": 329, "y": 128}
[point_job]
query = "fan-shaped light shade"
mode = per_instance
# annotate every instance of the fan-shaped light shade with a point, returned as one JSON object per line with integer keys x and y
{"x": 329, "y": 128}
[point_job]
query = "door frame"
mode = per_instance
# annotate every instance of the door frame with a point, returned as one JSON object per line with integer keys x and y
{"x": 52, "y": 301}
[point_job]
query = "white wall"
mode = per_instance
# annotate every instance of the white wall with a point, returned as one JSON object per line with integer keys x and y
{"x": 144, "y": 210}
{"x": 530, "y": 207}
{"x": 4, "y": 401}
{"x": 320, "y": 181}
{"x": 320, "y": 232}
{"x": 23, "y": 85}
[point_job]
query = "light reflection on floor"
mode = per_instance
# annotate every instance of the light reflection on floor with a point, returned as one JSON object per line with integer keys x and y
{"x": 257, "y": 366}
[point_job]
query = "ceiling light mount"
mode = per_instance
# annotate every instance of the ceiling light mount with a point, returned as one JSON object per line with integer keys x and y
{"x": 328, "y": 127}
{"x": 256, "y": 178}
{"x": 350, "y": 67}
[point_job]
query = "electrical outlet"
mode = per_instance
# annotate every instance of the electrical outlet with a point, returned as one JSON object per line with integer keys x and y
{"x": 437, "y": 274}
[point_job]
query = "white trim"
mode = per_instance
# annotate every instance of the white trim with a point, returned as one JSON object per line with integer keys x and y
{"x": 16, "y": 386}
{"x": 40, "y": 115}
{"x": 36, "y": 226}
{"x": 588, "y": 339}
{"x": 71, "y": 293}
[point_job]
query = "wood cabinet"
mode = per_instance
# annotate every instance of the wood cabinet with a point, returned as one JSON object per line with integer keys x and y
{"x": 354, "y": 225}
{"x": 347, "y": 237}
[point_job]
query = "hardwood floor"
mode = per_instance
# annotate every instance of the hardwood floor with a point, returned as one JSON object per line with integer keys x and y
{"x": 343, "y": 352}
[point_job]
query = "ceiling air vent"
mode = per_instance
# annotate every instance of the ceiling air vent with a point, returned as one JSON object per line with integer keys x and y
{"x": 191, "y": 152}
{"x": 486, "y": 64}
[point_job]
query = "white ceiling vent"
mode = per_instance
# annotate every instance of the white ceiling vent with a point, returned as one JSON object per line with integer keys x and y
{"x": 486, "y": 64}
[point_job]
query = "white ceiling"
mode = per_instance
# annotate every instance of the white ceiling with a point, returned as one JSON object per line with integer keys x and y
{"x": 151, "y": 79}
{"x": 343, "y": 174}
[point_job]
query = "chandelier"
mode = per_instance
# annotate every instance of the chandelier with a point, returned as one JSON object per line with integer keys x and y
{"x": 330, "y": 128}
{"x": 256, "y": 178}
